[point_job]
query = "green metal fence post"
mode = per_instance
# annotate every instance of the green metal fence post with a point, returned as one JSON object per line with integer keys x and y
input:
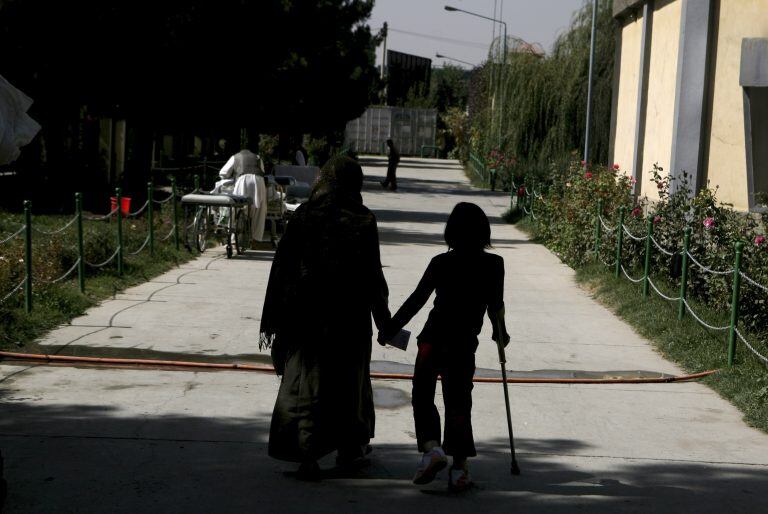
{"x": 119, "y": 196}
{"x": 80, "y": 247}
{"x": 197, "y": 183}
{"x": 598, "y": 229}
{"x": 735, "y": 303}
{"x": 175, "y": 214}
{"x": 619, "y": 240}
{"x": 647, "y": 266}
{"x": 531, "y": 199}
{"x": 28, "y": 256}
{"x": 684, "y": 274}
{"x": 150, "y": 217}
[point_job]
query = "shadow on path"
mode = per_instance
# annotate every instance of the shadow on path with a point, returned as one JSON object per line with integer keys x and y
{"x": 393, "y": 236}
{"x": 96, "y": 458}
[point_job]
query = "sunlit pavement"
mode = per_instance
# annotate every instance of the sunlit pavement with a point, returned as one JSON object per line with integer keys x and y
{"x": 127, "y": 440}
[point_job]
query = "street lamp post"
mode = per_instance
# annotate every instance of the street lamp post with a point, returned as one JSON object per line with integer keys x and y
{"x": 503, "y": 58}
{"x": 587, "y": 132}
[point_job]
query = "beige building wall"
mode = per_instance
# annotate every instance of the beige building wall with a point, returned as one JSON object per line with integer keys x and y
{"x": 626, "y": 104}
{"x": 662, "y": 78}
{"x": 727, "y": 166}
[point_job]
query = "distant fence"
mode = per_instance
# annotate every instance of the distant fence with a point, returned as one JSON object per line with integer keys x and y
{"x": 410, "y": 129}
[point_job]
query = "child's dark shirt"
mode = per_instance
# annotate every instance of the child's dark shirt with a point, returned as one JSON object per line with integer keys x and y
{"x": 467, "y": 284}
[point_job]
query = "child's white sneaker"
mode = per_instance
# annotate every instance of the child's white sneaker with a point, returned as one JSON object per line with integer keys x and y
{"x": 458, "y": 479}
{"x": 432, "y": 462}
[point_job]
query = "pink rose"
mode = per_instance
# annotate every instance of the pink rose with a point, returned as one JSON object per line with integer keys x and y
{"x": 583, "y": 163}
{"x": 759, "y": 240}
{"x": 588, "y": 175}
{"x": 635, "y": 212}
{"x": 656, "y": 219}
{"x": 709, "y": 222}
{"x": 615, "y": 166}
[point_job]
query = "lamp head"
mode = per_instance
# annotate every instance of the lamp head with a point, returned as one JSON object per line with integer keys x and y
{"x": 440, "y": 56}
{"x": 450, "y": 9}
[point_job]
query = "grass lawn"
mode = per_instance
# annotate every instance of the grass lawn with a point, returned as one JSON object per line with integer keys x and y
{"x": 54, "y": 254}
{"x": 688, "y": 344}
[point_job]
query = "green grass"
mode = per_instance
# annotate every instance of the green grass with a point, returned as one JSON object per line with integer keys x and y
{"x": 55, "y": 304}
{"x": 686, "y": 343}
{"x": 474, "y": 179}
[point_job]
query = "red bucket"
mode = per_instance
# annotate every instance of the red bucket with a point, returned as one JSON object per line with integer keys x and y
{"x": 125, "y": 204}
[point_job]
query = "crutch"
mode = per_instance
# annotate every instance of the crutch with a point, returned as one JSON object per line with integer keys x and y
{"x": 514, "y": 468}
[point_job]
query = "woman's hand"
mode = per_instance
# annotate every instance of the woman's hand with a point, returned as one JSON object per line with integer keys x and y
{"x": 382, "y": 339}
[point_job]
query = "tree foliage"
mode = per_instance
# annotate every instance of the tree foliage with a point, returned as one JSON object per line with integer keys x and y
{"x": 544, "y": 98}
{"x": 273, "y": 64}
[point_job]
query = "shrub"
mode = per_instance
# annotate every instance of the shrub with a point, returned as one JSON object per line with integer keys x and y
{"x": 565, "y": 221}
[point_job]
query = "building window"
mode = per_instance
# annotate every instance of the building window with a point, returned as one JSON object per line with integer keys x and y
{"x": 754, "y": 80}
{"x": 757, "y": 98}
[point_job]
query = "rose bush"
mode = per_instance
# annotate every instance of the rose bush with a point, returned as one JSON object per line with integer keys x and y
{"x": 565, "y": 221}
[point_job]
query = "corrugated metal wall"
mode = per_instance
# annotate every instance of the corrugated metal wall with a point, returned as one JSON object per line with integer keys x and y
{"x": 408, "y": 128}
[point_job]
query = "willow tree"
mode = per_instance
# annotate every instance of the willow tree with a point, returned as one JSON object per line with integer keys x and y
{"x": 533, "y": 106}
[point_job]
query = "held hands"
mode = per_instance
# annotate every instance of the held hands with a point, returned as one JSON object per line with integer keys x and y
{"x": 383, "y": 338}
{"x": 386, "y": 333}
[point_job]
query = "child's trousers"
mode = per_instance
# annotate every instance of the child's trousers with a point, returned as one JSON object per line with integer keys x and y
{"x": 456, "y": 366}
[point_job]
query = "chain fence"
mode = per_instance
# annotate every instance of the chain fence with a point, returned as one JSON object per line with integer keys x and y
{"x": 14, "y": 235}
{"x": 33, "y": 277}
{"x": 57, "y": 231}
{"x": 620, "y": 229}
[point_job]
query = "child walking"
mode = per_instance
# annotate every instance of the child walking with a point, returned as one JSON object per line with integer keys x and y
{"x": 468, "y": 282}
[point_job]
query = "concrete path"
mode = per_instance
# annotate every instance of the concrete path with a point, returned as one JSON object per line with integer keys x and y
{"x": 126, "y": 440}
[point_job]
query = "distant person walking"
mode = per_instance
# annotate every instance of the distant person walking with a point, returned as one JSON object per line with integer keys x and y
{"x": 448, "y": 341}
{"x": 325, "y": 284}
{"x": 392, "y": 161}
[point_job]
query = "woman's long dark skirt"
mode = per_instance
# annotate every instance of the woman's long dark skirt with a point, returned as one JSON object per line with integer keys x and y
{"x": 325, "y": 402}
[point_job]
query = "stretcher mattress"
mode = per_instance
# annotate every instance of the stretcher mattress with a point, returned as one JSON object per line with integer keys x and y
{"x": 220, "y": 200}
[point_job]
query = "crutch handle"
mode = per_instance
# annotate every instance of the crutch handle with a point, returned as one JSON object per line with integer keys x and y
{"x": 500, "y": 341}
{"x": 502, "y": 354}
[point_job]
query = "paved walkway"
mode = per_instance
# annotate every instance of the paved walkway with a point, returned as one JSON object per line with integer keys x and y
{"x": 92, "y": 440}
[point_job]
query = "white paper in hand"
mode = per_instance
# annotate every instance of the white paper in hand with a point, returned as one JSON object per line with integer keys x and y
{"x": 400, "y": 340}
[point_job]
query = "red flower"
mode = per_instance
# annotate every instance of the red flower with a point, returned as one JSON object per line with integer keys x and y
{"x": 635, "y": 212}
{"x": 656, "y": 219}
{"x": 759, "y": 240}
{"x": 615, "y": 166}
{"x": 583, "y": 163}
{"x": 588, "y": 175}
{"x": 521, "y": 191}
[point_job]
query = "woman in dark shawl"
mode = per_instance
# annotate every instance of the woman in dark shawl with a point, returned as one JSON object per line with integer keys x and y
{"x": 326, "y": 282}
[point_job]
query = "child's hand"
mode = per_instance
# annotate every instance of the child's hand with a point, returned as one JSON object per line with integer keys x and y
{"x": 506, "y": 339}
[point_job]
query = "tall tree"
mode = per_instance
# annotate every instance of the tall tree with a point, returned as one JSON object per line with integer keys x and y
{"x": 271, "y": 65}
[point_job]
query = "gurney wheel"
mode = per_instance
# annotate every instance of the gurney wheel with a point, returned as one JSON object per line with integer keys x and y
{"x": 242, "y": 232}
{"x": 201, "y": 228}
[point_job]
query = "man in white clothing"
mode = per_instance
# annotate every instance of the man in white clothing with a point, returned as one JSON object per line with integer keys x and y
{"x": 244, "y": 173}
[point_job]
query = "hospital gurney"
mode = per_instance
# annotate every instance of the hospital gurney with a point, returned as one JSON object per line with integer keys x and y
{"x": 225, "y": 215}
